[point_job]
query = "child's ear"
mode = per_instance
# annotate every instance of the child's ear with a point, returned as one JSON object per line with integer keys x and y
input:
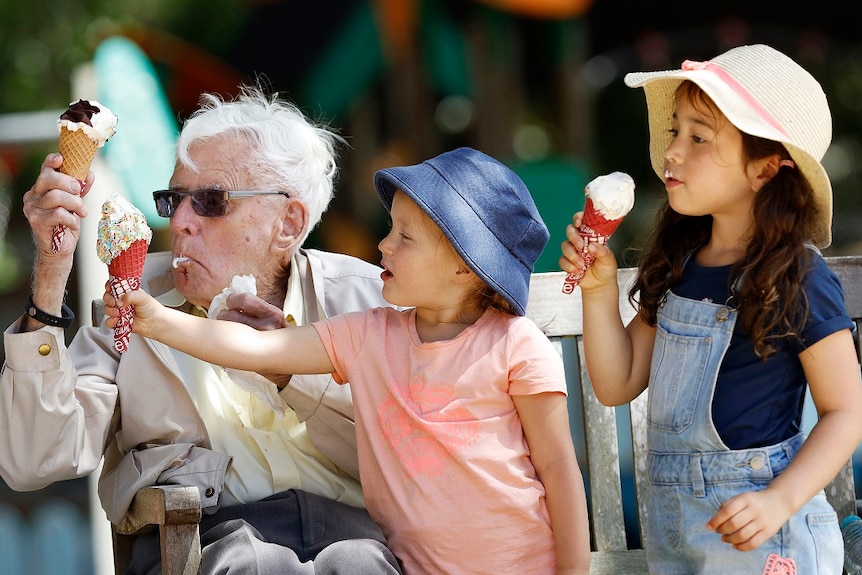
{"x": 464, "y": 274}
{"x": 764, "y": 170}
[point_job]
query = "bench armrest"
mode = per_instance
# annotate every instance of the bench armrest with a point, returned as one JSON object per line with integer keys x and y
{"x": 176, "y": 510}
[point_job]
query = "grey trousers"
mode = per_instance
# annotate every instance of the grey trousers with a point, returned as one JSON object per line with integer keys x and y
{"x": 289, "y": 533}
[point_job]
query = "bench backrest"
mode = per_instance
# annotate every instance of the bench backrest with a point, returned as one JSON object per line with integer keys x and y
{"x": 611, "y": 442}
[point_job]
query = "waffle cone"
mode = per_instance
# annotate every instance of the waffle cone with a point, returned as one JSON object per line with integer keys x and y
{"x": 78, "y": 151}
{"x": 130, "y": 262}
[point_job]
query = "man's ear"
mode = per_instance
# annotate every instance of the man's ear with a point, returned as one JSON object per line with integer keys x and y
{"x": 294, "y": 222}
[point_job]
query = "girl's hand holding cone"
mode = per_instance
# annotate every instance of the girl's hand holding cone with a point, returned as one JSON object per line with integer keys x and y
{"x": 588, "y": 263}
{"x": 609, "y": 199}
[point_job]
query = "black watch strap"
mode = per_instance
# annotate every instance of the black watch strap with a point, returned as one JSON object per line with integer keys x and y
{"x": 64, "y": 321}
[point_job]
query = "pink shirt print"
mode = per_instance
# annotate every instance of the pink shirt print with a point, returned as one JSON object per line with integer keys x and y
{"x": 420, "y": 452}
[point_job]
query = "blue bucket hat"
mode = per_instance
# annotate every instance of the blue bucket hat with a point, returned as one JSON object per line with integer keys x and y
{"x": 484, "y": 210}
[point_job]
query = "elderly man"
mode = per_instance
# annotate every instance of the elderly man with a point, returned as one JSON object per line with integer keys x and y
{"x": 252, "y": 178}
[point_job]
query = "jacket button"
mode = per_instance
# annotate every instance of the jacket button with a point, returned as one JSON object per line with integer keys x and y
{"x": 44, "y": 349}
{"x": 209, "y": 492}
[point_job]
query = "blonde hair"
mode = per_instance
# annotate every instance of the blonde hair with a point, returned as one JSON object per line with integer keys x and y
{"x": 483, "y": 296}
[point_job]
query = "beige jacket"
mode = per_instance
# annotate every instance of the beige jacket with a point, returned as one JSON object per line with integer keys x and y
{"x": 62, "y": 411}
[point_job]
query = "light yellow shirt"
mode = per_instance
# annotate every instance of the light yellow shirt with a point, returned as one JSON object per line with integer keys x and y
{"x": 271, "y": 453}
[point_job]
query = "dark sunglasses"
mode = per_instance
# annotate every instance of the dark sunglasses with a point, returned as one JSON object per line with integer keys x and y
{"x": 205, "y": 203}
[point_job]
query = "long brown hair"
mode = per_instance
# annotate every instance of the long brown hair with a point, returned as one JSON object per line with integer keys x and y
{"x": 770, "y": 296}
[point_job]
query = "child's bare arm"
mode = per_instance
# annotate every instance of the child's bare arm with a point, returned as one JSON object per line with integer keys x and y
{"x": 225, "y": 343}
{"x": 831, "y": 367}
{"x": 545, "y": 420}
{"x": 617, "y": 357}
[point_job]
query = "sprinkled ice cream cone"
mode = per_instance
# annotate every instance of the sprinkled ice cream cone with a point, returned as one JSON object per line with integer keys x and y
{"x": 129, "y": 263}
{"x": 123, "y": 240}
{"x": 609, "y": 199}
{"x": 84, "y": 127}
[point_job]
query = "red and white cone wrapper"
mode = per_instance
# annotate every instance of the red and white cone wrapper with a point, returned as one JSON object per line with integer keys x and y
{"x": 78, "y": 150}
{"x": 595, "y": 229}
{"x": 57, "y": 238}
{"x": 125, "y": 275}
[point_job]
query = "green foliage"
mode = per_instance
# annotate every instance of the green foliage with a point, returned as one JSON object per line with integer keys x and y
{"x": 42, "y": 41}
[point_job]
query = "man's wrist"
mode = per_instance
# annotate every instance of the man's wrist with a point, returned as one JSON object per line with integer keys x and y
{"x": 64, "y": 320}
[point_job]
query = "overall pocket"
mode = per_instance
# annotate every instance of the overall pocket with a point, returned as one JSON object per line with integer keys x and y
{"x": 678, "y": 366}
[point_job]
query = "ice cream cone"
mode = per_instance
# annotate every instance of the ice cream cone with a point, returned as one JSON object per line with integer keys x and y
{"x": 595, "y": 229}
{"x": 125, "y": 271}
{"x": 595, "y": 226}
{"x": 122, "y": 243}
{"x": 78, "y": 151}
{"x": 617, "y": 196}
{"x": 84, "y": 127}
{"x": 130, "y": 262}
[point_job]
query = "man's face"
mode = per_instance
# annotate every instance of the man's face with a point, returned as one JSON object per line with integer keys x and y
{"x": 246, "y": 240}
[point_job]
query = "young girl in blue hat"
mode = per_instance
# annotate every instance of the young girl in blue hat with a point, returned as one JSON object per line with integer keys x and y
{"x": 465, "y": 453}
{"x": 737, "y": 313}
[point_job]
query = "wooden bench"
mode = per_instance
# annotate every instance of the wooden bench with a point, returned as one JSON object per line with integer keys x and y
{"x": 600, "y": 432}
{"x": 175, "y": 510}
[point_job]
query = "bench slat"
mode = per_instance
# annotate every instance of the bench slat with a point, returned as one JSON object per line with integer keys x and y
{"x": 603, "y": 462}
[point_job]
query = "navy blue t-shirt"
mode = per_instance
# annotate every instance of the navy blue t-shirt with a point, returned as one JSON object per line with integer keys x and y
{"x": 758, "y": 403}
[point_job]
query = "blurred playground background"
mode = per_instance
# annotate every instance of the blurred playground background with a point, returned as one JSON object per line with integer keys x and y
{"x": 535, "y": 83}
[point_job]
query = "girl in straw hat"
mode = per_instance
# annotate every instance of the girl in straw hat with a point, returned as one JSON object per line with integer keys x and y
{"x": 465, "y": 453}
{"x": 737, "y": 313}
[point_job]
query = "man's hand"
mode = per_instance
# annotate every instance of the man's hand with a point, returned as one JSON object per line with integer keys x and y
{"x": 262, "y": 316}
{"x": 253, "y": 311}
{"x": 54, "y": 200}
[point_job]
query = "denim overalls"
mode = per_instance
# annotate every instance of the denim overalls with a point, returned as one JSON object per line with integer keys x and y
{"x": 692, "y": 472}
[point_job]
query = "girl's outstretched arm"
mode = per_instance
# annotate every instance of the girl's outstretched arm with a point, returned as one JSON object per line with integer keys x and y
{"x": 225, "y": 343}
{"x": 618, "y": 357}
{"x": 545, "y": 420}
{"x": 831, "y": 367}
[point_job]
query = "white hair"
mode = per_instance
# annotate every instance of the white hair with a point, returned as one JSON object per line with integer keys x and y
{"x": 286, "y": 150}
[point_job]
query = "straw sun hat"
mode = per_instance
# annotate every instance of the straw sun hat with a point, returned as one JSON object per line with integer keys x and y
{"x": 763, "y": 93}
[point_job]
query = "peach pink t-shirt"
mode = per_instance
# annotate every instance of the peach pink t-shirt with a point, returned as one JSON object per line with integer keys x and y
{"x": 443, "y": 461}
